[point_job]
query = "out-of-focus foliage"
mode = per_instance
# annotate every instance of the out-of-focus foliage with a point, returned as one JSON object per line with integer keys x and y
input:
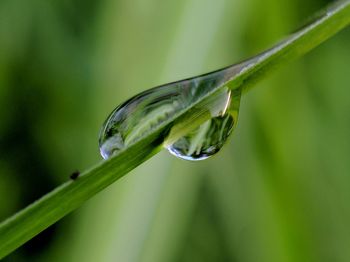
{"x": 278, "y": 192}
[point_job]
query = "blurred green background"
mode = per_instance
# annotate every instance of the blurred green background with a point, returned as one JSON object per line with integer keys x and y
{"x": 278, "y": 192}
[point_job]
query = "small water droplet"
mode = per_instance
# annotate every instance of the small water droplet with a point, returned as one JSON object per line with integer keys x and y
{"x": 207, "y": 139}
{"x": 141, "y": 114}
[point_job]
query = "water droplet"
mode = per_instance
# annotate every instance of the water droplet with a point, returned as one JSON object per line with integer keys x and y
{"x": 141, "y": 114}
{"x": 207, "y": 139}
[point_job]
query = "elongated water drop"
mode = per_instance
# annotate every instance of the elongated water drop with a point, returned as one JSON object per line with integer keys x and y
{"x": 204, "y": 129}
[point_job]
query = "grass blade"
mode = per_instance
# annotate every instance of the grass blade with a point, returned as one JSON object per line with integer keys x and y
{"x": 30, "y": 221}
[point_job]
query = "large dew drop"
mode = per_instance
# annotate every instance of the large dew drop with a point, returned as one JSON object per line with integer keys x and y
{"x": 141, "y": 114}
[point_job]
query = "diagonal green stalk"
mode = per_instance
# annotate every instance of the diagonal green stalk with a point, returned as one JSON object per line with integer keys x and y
{"x": 41, "y": 214}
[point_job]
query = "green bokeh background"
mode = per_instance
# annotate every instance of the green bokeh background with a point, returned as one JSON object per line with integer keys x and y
{"x": 279, "y": 191}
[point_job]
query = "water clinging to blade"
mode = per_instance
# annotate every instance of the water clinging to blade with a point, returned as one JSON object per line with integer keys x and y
{"x": 148, "y": 110}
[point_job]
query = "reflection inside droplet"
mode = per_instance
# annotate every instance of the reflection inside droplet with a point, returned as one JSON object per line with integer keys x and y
{"x": 208, "y": 138}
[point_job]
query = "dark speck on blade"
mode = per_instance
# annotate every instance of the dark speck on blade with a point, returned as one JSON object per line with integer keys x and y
{"x": 74, "y": 175}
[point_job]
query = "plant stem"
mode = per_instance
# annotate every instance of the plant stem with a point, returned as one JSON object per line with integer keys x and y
{"x": 333, "y": 19}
